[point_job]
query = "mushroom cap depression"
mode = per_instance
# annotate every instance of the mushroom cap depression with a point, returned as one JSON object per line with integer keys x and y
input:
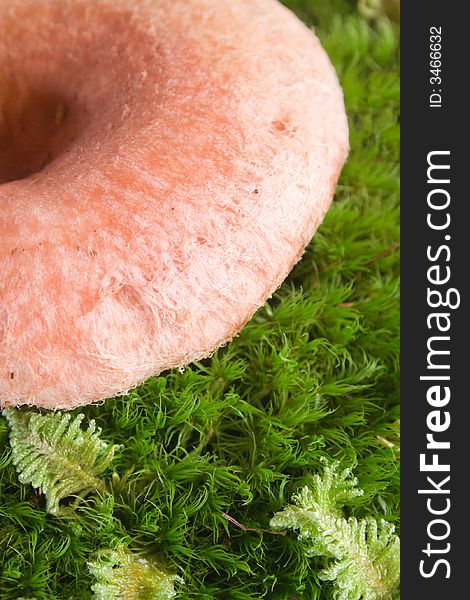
{"x": 163, "y": 164}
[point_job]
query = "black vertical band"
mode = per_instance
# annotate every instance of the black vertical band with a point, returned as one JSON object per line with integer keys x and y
{"x": 434, "y": 322}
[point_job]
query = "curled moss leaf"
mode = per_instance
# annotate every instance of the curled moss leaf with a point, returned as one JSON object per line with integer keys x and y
{"x": 373, "y": 9}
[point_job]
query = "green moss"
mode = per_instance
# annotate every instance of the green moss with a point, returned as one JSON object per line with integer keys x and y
{"x": 211, "y": 453}
{"x": 362, "y": 556}
{"x": 120, "y": 574}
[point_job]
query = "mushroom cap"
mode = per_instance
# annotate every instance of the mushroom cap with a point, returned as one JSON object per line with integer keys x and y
{"x": 180, "y": 156}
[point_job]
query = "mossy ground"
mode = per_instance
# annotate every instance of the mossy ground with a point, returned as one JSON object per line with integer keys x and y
{"x": 229, "y": 440}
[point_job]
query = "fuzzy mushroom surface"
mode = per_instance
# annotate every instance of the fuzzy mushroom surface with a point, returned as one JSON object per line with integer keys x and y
{"x": 163, "y": 165}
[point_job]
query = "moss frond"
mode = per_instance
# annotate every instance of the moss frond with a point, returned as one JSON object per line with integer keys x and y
{"x": 122, "y": 576}
{"x": 55, "y": 455}
{"x": 363, "y": 555}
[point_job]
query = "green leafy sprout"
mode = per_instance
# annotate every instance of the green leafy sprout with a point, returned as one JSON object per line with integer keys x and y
{"x": 121, "y": 575}
{"x": 204, "y": 458}
{"x": 54, "y": 454}
{"x": 365, "y": 552}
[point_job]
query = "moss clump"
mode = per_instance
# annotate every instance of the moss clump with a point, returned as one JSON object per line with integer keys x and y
{"x": 55, "y": 455}
{"x": 119, "y": 574}
{"x": 362, "y": 556}
{"x": 211, "y": 453}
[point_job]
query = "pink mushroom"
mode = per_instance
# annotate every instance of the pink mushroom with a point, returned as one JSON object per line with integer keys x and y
{"x": 163, "y": 164}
